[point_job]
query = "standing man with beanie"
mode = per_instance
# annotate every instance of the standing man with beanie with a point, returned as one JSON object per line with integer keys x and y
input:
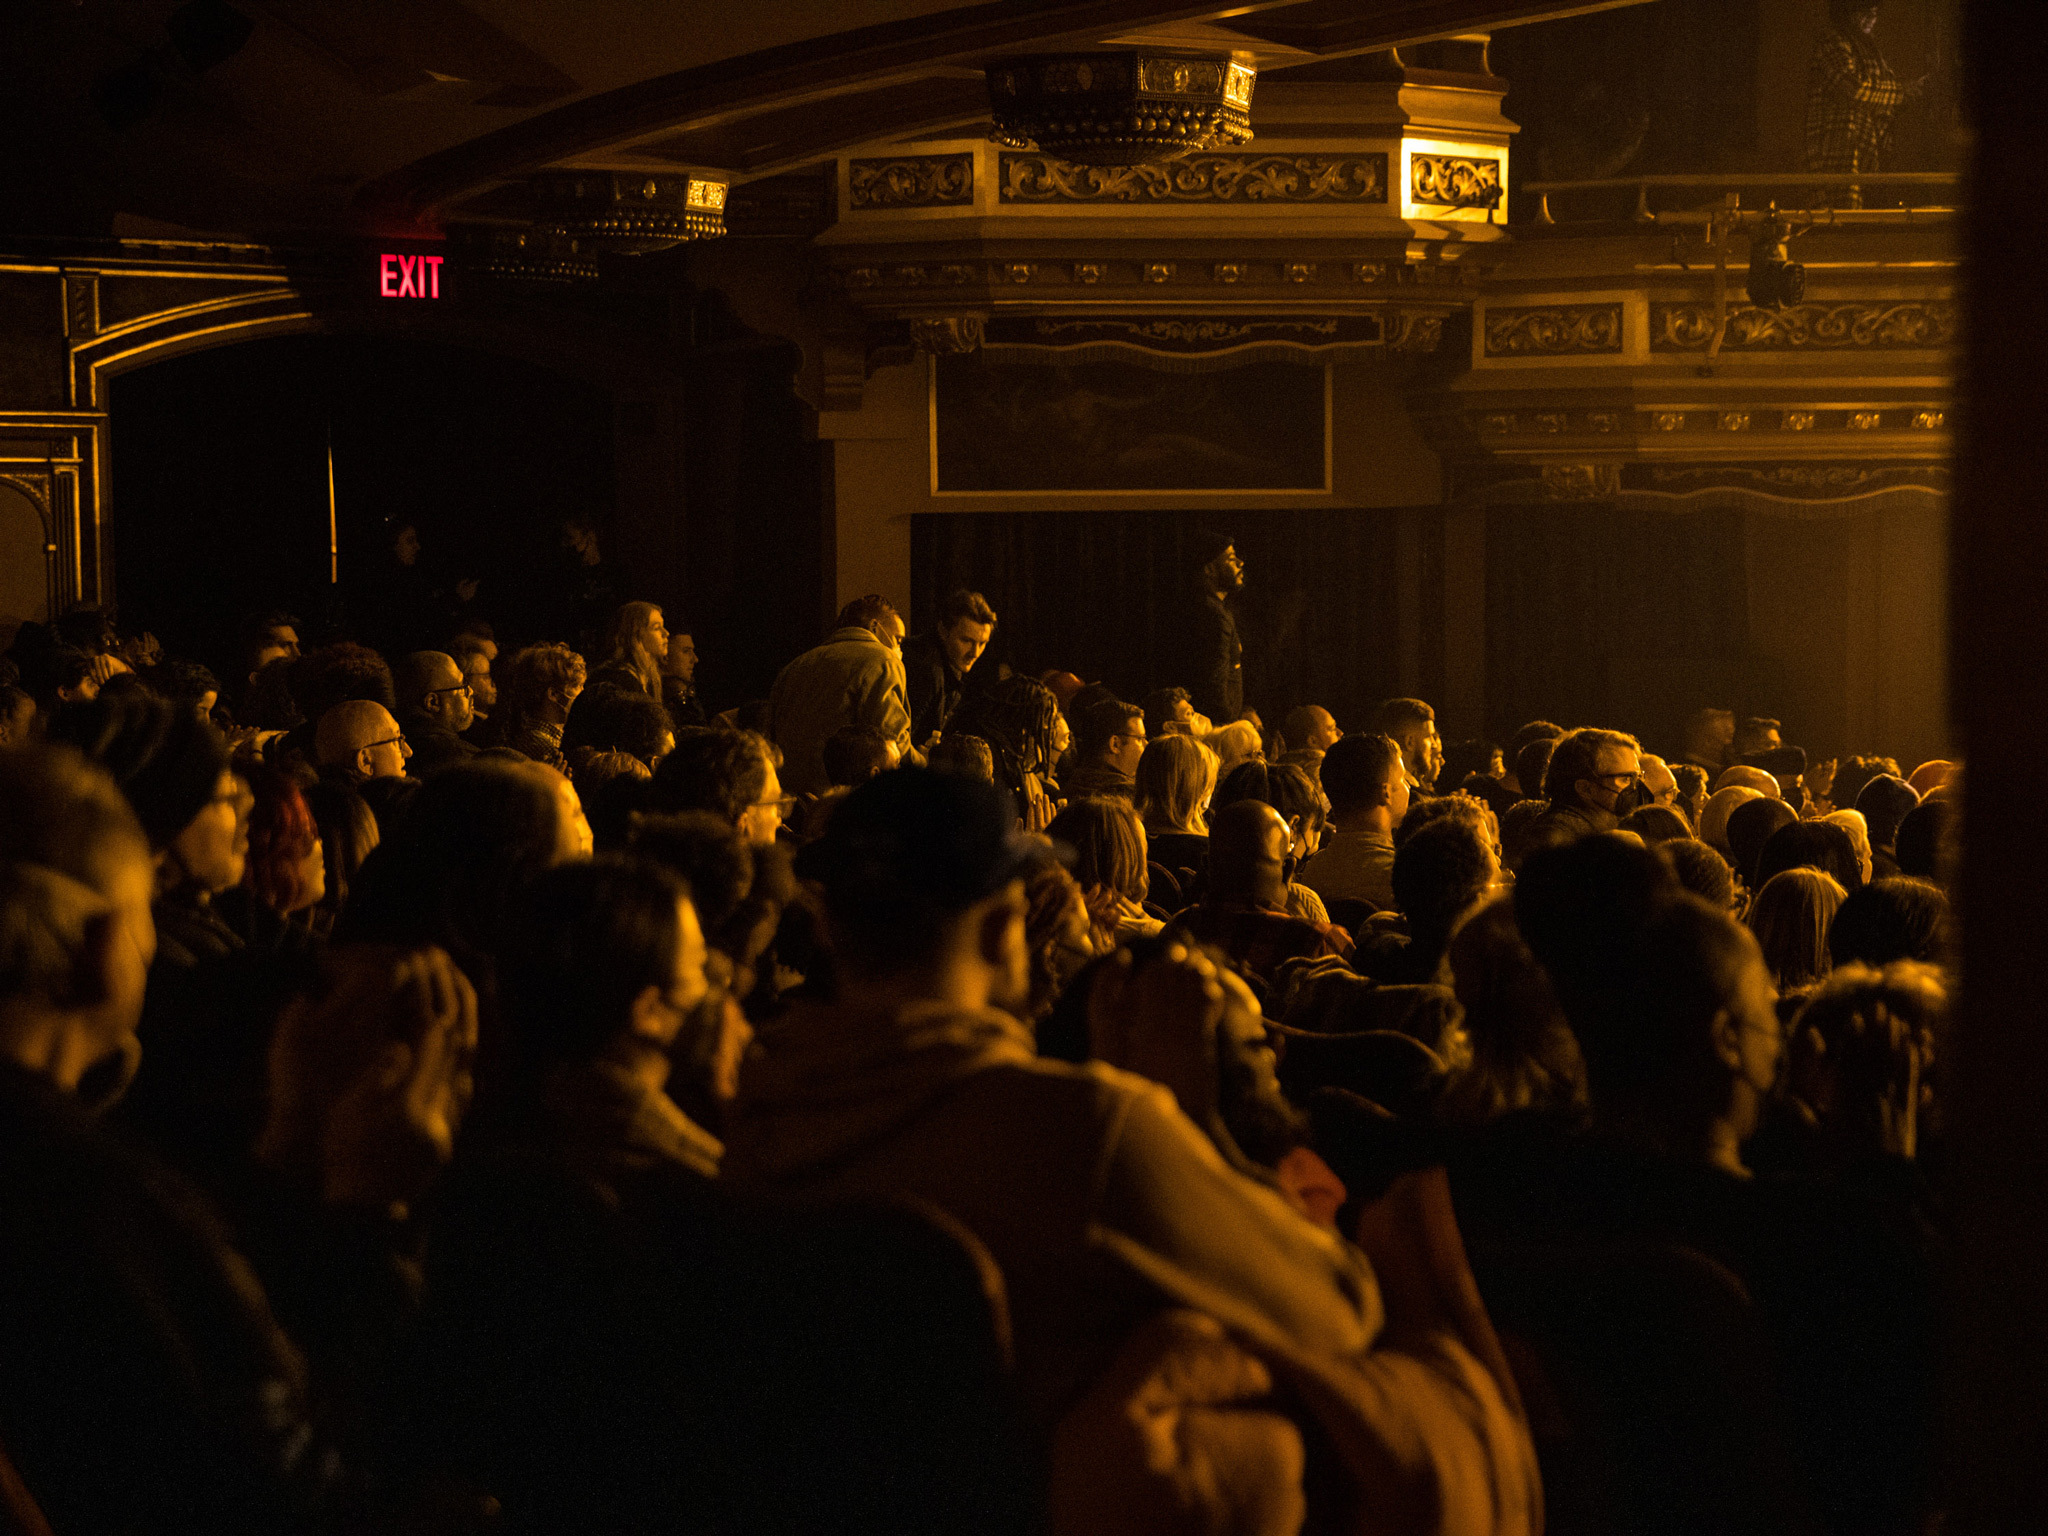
{"x": 1209, "y": 659}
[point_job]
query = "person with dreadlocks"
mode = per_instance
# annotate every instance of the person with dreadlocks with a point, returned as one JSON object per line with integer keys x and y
{"x": 1020, "y": 719}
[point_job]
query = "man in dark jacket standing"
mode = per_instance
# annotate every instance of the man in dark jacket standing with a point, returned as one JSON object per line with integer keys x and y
{"x": 1209, "y": 661}
{"x": 936, "y": 664}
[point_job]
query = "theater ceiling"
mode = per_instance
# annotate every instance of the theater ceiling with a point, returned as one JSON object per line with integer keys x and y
{"x": 276, "y": 117}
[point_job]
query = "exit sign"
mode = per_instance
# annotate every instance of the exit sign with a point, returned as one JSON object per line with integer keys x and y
{"x": 402, "y": 275}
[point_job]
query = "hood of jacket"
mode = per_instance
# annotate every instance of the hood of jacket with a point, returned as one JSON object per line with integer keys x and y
{"x": 828, "y": 1083}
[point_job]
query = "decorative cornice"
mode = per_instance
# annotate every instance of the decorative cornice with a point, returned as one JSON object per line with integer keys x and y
{"x": 1301, "y": 277}
{"x": 1454, "y": 181}
{"x": 1806, "y": 421}
{"x": 1201, "y": 178}
{"x": 912, "y": 181}
{"x": 1553, "y": 330}
{"x": 1883, "y": 325}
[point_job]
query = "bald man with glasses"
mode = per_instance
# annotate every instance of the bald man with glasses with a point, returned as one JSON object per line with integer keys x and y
{"x": 360, "y": 739}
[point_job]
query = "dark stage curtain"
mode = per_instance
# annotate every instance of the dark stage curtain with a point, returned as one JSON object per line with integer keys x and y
{"x": 1596, "y": 615}
{"x": 1097, "y": 593}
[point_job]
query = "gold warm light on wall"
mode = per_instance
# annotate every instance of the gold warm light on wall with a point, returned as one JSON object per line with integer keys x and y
{"x": 630, "y": 213}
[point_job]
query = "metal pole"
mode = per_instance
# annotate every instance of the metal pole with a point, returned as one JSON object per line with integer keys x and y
{"x": 333, "y": 538}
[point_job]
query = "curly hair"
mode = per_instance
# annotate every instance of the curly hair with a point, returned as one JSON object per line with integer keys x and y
{"x": 720, "y": 771}
{"x": 531, "y": 673}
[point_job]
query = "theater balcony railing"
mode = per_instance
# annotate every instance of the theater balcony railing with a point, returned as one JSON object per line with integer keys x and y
{"x": 1638, "y": 336}
{"x": 1782, "y": 190}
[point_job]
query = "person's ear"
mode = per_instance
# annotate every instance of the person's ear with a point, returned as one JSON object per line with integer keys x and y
{"x": 999, "y": 926}
{"x": 366, "y": 761}
{"x": 1725, "y": 1033}
{"x": 652, "y": 1019}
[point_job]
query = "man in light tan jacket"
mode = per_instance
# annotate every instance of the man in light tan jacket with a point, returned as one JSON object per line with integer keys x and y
{"x": 1101, "y": 1202}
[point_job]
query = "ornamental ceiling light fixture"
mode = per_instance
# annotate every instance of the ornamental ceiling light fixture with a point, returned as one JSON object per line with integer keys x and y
{"x": 526, "y": 254}
{"x": 1122, "y": 108}
{"x": 629, "y": 213}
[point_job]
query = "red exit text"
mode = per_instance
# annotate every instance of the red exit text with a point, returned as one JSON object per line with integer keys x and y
{"x": 409, "y": 277}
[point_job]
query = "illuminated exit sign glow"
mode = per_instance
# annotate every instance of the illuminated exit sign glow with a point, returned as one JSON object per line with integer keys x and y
{"x": 408, "y": 277}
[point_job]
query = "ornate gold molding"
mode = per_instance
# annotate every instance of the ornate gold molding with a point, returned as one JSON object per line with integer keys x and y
{"x": 1217, "y": 332}
{"x": 1581, "y": 482}
{"x": 1553, "y": 330}
{"x": 1800, "y": 480}
{"x": 1414, "y": 330}
{"x": 942, "y": 334}
{"x": 1199, "y": 179}
{"x": 912, "y": 181}
{"x": 1879, "y": 326}
{"x": 1807, "y": 421}
{"x": 1454, "y": 181}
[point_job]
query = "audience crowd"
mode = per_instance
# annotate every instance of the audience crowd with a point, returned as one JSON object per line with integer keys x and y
{"x": 467, "y": 1090}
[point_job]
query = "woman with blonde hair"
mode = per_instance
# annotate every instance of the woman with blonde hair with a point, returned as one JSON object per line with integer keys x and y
{"x": 1235, "y": 743}
{"x": 636, "y": 646}
{"x": 1176, "y": 779}
{"x": 1790, "y": 919}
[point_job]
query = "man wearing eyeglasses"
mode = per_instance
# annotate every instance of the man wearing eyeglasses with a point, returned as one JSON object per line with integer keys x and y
{"x": 435, "y": 705}
{"x": 1595, "y": 779}
{"x": 358, "y": 738}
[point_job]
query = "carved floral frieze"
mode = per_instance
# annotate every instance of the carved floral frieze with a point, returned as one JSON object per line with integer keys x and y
{"x": 947, "y": 333}
{"x": 1878, "y": 325}
{"x": 912, "y": 181}
{"x": 1454, "y": 181}
{"x": 1199, "y": 179}
{"x": 1411, "y": 330}
{"x": 1581, "y": 482}
{"x": 1553, "y": 330}
{"x": 1194, "y": 332}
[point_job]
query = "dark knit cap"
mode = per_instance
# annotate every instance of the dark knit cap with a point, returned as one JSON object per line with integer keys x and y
{"x": 1205, "y": 546}
{"x": 167, "y": 760}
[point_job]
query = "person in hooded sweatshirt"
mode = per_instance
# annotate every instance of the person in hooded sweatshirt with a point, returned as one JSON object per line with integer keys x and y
{"x": 1101, "y": 1202}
